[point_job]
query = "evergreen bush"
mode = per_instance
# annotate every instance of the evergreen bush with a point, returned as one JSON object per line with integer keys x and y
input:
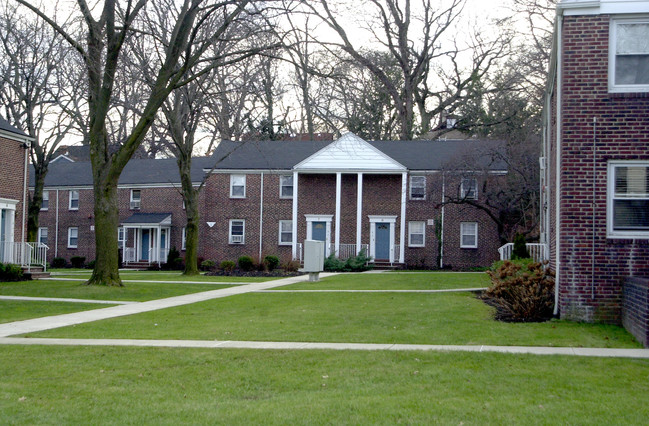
{"x": 271, "y": 262}
{"x": 520, "y": 248}
{"x": 58, "y": 262}
{"x": 246, "y": 263}
{"x": 227, "y": 266}
{"x": 78, "y": 261}
{"x": 10, "y": 272}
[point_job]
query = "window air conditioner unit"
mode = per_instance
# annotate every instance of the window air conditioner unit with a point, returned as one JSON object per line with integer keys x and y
{"x": 236, "y": 239}
{"x": 135, "y": 205}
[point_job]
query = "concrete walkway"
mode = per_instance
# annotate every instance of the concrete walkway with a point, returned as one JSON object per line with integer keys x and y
{"x": 61, "y": 299}
{"x": 232, "y": 344}
{"x": 56, "y": 321}
{"x": 150, "y": 281}
{"x": 450, "y": 290}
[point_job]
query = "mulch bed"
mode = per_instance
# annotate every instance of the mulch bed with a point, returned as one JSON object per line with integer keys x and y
{"x": 239, "y": 273}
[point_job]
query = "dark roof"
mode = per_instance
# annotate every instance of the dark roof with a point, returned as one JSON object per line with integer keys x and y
{"x": 414, "y": 155}
{"x": 152, "y": 218}
{"x": 4, "y": 125}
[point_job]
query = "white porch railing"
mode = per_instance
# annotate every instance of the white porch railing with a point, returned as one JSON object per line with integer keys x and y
{"x": 345, "y": 251}
{"x": 299, "y": 252}
{"x": 129, "y": 255}
{"x": 538, "y": 252}
{"x": 24, "y": 254}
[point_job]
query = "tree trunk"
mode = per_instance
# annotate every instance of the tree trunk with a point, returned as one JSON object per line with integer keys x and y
{"x": 35, "y": 202}
{"x": 190, "y": 195}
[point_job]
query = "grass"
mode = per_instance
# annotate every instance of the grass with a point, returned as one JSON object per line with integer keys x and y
{"x": 161, "y": 276}
{"x": 137, "y": 292}
{"x": 450, "y": 318}
{"x": 397, "y": 281}
{"x": 18, "y": 310}
{"x": 106, "y": 385}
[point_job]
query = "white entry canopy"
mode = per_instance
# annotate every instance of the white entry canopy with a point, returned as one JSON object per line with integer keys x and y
{"x": 350, "y": 154}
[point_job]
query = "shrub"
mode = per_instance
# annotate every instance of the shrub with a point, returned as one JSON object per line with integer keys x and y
{"x": 208, "y": 265}
{"x": 271, "y": 262}
{"x": 227, "y": 266}
{"x": 521, "y": 291}
{"x": 333, "y": 264}
{"x": 520, "y": 249}
{"x": 58, "y": 262}
{"x": 358, "y": 263}
{"x": 246, "y": 263}
{"x": 91, "y": 264}
{"x": 78, "y": 261}
{"x": 10, "y": 272}
{"x": 291, "y": 266}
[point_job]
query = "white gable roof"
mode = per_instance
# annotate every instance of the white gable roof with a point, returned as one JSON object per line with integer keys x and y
{"x": 351, "y": 154}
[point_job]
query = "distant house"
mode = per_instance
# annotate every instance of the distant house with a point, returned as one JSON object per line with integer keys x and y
{"x": 14, "y": 150}
{"x": 268, "y": 197}
{"x": 595, "y": 161}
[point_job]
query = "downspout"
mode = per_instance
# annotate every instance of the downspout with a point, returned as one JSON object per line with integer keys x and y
{"x": 592, "y": 266}
{"x": 22, "y": 228}
{"x": 441, "y": 234}
{"x": 261, "y": 216}
{"x": 56, "y": 227}
{"x": 558, "y": 168}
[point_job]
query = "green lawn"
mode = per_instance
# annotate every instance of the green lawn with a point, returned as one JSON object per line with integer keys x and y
{"x": 160, "y": 276}
{"x": 136, "y": 292}
{"x": 449, "y": 318}
{"x": 397, "y": 281}
{"x": 18, "y": 310}
{"x": 106, "y": 385}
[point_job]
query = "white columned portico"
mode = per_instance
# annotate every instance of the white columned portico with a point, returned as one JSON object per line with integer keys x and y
{"x": 338, "y": 196}
{"x": 359, "y": 211}
{"x": 294, "y": 215}
{"x": 402, "y": 230}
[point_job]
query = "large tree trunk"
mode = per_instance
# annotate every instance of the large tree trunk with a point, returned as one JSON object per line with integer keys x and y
{"x": 190, "y": 195}
{"x": 35, "y": 202}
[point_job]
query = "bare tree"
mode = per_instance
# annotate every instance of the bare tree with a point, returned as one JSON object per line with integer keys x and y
{"x": 108, "y": 28}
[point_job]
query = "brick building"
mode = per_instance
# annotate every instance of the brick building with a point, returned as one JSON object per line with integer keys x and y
{"x": 595, "y": 160}
{"x": 384, "y": 197}
{"x": 14, "y": 146}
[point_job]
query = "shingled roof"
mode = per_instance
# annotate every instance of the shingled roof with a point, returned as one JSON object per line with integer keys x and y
{"x": 4, "y": 125}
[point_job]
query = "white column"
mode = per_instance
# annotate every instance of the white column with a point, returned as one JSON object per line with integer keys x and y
{"x": 402, "y": 230}
{"x": 294, "y": 216}
{"x": 338, "y": 196}
{"x": 359, "y": 212}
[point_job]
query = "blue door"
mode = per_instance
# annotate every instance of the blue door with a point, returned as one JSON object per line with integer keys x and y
{"x": 382, "y": 242}
{"x": 319, "y": 231}
{"x": 145, "y": 244}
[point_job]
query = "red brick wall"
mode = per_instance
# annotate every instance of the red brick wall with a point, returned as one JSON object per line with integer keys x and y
{"x": 622, "y": 134}
{"x": 12, "y": 176}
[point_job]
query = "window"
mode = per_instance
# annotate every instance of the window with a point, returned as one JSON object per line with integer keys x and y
{"x": 469, "y": 235}
{"x": 121, "y": 237}
{"x": 237, "y": 186}
{"x": 417, "y": 187}
{"x": 469, "y": 189}
{"x": 183, "y": 245}
{"x": 136, "y": 197}
{"x": 237, "y": 231}
{"x": 628, "y": 199}
{"x": 416, "y": 234}
{"x": 285, "y": 232}
{"x": 73, "y": 237}
{"x": 629, "y": 55}
{"x": 74, "y": 200}
{"x": 42, "y": 235}
{"x": 45, "y": 202}
{"x": 286, "y": 186}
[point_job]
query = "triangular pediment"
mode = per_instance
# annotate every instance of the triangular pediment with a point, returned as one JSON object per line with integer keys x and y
{"x": 350, "y": 153}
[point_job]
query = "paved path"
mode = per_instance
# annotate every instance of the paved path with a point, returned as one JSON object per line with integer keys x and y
{"x": 451, "y": 290}
{"x": 56, "y": 321}
{"x": 61, "y": 299}
{"x": 232, "y": 344}
{"x": 149, "y": 281}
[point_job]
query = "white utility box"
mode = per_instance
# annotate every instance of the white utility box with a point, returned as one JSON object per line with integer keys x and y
{"x": 314, "y": 258}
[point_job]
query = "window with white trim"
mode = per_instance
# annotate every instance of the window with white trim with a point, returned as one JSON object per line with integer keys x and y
{"x": 417, "y": 187}
{"x": 121, "y": 237}
{"x": 468, "y": 234}
{"x": 136, "y": 199}
{"x": 237, "y": 231}
{"x": 628, "y": 199}
{"x": 183, "y": 244}
{"x": 416, "y": 234}
{"x": 629, "y": 55}
{"x": 237, "y": 186}
{"x": 286, "y": 186}
{"x": 45, "y": 202}
{"x": 42, "y": 235}
{"x": 73, "y": 200}
{"x": 285, "y": 232}
{"x": 469, "y": 189}
{"x": 73, "y": 237}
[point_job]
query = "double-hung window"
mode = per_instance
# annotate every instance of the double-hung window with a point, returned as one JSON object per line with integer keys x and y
{"x": 416, "y": 234}
{"x": 237, "y": 231}
{"x": 629, "y": 55}
{"x": 237, "y": 186}
{"x": 45, "y": 202}
{"x": 136, "y": 198}
{"x": 121, "y": 237}
{"x": 42, "y": 235}
{"x": 183, "y": 245}
{"x": 469, "y": 234}
{"x": 74, "y": 200}
{"x": 628, "y": 199}
{"x": 469, "y": 189}
{"x": 286, "y": 186}
{"x": 73, "y": 237}
{"x": 285, "y": 232}
{"x": 417, "y": 187}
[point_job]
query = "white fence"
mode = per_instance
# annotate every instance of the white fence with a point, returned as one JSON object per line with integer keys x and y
{"x": 24, "y": 254}
{"x": 345, "y": 251}
{"x": 538, "y": 252}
